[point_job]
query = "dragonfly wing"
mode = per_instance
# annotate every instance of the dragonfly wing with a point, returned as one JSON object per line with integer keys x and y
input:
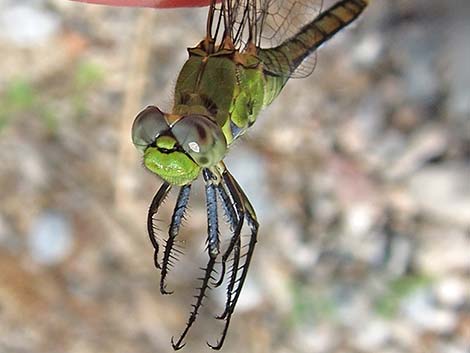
{"x": 285, "y": 19}
{"x": 295, "y": 56}
{"x": 150, "y": 3}
{"x": 266, "y": 24}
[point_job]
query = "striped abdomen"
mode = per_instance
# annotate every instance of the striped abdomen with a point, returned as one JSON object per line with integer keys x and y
{"x": 280, "y": 62}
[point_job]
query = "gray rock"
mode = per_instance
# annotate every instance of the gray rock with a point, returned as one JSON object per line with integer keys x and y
{"x": 368, "y": 50}
{"x": 50, "y": 239}
{"x": 27, "y": 25}
{"x": 443, "y": 191}
{"x": 444, "y": 251}
{"x": 419, "y": 309}
{"x": 458, "y": 103}
{"x": 452, "y": 291}
{"x": 8, "y": 239}
{"x": 426, "y": 143}
{"x": 417, "y": 52}
{"x": 372, "y": 336}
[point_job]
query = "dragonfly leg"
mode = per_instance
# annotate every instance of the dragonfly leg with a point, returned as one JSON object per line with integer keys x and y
{"x": 227, "y": 314}
{"x": 234, "y": 241}
{"x": 151, "y": 228}
{"x": 213, "y": 250}
{"x": 236, "y": 281}
{"x": 178, "y": 216}
{"x": 213, "y": 240}
{"x": 235, "y": 216}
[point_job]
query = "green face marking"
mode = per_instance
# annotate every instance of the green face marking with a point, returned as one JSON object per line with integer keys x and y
{"x": 166, "y": 142}
{"x": 174, "y": 167}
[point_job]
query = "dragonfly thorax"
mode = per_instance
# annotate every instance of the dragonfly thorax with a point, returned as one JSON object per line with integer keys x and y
{"x": 229, "y": 85}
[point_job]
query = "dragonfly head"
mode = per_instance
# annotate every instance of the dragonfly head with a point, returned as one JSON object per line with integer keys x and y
{"x": 177, "y": 147}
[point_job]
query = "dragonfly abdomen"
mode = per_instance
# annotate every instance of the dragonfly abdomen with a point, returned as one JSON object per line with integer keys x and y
{"x": 280, "y": 62}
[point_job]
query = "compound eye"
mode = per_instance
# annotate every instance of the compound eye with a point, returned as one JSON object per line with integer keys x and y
{"x": 201, "y": 138}
{"x": 147, "y": 126}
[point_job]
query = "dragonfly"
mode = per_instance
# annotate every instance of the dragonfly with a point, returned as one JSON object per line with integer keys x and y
{"x": 229, "y": 77}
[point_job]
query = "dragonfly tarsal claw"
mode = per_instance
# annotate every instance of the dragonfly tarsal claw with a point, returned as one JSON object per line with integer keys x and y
{"x": 216, "y": 347}
{"x": 178, "y": 345}
{"x": 219, "y": 282}
{"x": 221, "y": 340}
{"x": 164, "y": 291}
{"x": 223, "y": 315}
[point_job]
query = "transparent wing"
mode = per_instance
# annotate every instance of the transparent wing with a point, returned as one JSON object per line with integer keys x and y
{"x": 264, "y": 23}
{"x": 283, "y": 20}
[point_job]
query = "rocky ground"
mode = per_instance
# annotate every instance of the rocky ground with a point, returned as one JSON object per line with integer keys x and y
{"x": 359, "y": 175}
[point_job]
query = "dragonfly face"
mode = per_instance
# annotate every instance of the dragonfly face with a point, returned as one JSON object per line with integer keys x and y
{"x": 177, "y": 147}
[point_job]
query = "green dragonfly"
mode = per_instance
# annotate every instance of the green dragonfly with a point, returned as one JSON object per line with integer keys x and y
{"x": 229, "y": 77}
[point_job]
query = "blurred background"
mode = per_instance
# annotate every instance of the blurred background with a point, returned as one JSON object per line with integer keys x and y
{"x": 359, "y": 175}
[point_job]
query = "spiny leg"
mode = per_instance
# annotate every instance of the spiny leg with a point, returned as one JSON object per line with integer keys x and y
{"x": 154, "y": 206}
{"x": 253, "y": 225}
{"x": 213, "y": 240}
{"x": 227, "y": 315}
{"x": 176, "y": 219}
{"x": 233, "y": 294}
{"x": 234, "y": 246}
{"x": 235, "y": 215}
{"x": 239, "y": 200}
{"x": 213, "y": 249}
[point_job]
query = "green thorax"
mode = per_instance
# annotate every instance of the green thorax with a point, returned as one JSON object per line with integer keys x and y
{"x": 228, "y": 86}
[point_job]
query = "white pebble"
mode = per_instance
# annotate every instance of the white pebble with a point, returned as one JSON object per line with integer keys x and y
{"x": 452, "y": 292}
{"x": 372, "y": 336}
{"x": 27, "y": 26}
{"x": 419, "y": 309}
{"x": 50, "y": 239}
